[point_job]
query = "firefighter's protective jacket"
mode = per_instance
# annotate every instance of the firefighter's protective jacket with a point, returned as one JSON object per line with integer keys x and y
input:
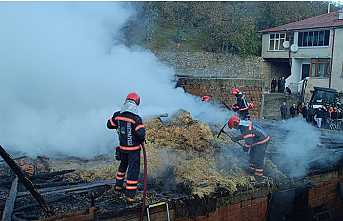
{"x": 242, "y": 106}
{"x": 252, "y": 133}
{"x": 130, "y": 129}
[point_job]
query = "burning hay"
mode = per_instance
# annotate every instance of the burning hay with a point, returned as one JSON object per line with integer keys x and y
{"x": 182, "y": 132}
{"x": 185, "y": 148}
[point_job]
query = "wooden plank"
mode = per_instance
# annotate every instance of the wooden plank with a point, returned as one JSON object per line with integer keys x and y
{"x": 24, "y": 180}
{"x": 66, "y": 189}
{"x": 7, "y": 213}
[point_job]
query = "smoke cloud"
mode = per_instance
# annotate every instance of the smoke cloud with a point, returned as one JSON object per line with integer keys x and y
{"x": 64, "y": 72}
{"x": 302, "y": 148}
{"x": 299, "y": 145}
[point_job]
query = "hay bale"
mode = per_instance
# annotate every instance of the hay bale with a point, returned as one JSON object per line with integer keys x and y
{"x": 182, "y": 132}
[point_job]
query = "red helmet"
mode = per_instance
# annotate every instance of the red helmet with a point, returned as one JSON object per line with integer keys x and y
{"x": 134, "y": 97}
{"x": 235, "y": 91}
{"x": 233, "y": 121}
{"x": 206, "y": 98}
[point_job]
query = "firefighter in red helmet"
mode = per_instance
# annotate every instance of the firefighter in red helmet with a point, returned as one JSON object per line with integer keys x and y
{"x": 131, "y": 133}
{"x": 206, "y": 98}
{"x": 242, "y": 105}
{"x": 255, "y": 142}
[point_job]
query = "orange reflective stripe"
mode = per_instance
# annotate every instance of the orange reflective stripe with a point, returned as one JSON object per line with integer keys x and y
{"x": 112, "y": 123}
{"x": 249, "y": 135}
{"x": 125, "y": 119}
{"x": 139, "y": 127}
{"x": 119, "y": 177}
{"x": 131, "y": 181}
{"x": 130, "y": 148}
{"x": 263, "y": 141}
{"x": 131, "y": 187}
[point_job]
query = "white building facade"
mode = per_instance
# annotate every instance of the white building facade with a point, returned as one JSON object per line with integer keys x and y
{"x": 310, "y": 49}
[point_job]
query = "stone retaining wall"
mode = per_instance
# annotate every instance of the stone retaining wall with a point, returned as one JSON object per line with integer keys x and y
{"x": 220, "y": 89}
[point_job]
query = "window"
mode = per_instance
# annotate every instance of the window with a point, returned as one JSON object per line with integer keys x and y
{"x": 320, "y": 68}
{"x": 314, "y": 38}
{"x": 276, "y": 41}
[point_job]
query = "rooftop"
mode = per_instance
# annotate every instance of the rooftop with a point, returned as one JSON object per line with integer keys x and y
{"x": 327, "y": 20}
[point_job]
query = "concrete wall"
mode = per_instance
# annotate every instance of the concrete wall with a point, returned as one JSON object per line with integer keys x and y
{"x": 271, "y": 54}
{"x": 303, "y": 52}
{"x": 337, "y": 65}
{"x": 220, "y": 89}
{"x": 296, "y": 72}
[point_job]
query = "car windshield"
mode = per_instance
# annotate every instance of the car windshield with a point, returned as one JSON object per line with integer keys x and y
{"x": 324, "y": 97}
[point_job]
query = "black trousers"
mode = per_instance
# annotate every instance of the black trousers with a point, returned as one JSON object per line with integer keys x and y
{"x": 257, "y": 154}
{"x": 130, "y": 163}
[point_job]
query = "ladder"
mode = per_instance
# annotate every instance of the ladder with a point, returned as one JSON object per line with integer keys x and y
{"x": 157, "y": 205}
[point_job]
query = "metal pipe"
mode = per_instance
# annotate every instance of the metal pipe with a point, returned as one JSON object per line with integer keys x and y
{"x": 331, "y": 60}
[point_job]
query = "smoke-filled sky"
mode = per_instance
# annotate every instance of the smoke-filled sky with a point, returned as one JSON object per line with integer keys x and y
{"x": 63, "y": 72}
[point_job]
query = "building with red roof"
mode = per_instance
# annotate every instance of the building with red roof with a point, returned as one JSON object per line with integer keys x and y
{"x": 307, "y": 53}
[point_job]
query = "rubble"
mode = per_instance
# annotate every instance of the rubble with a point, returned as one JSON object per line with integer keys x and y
{"x": 186, "y": 161}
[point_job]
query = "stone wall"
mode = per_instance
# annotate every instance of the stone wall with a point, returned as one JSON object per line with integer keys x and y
{"x": 206, "y": 64}
{"x": 220, "y": 89}
{"x": 272, "y": 103}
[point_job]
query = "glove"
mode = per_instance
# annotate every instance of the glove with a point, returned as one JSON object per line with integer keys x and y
{"x": 235, "y": 139}
{"x": 118, "y": 154}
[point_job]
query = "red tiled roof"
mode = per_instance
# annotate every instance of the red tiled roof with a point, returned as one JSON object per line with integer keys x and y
{"x": 322, "y": 21}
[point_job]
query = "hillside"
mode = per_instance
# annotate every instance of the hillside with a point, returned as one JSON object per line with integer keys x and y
{"x": 219, "y": 27}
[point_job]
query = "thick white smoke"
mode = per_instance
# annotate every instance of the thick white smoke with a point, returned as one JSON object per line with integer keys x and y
{"x": 63, "y": 73}
{"x": 300, "y": 146}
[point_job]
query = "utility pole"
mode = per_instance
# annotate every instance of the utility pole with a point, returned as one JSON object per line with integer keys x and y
{"x": 329, "y": 7}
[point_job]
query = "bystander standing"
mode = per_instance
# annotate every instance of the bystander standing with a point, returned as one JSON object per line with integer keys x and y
{"x": 283, "y": 111}
{"x": 293, "y": 110}
{"x": 273, "y": 85}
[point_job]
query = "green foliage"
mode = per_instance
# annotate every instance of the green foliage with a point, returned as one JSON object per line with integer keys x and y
{"x": 216, "y": 26}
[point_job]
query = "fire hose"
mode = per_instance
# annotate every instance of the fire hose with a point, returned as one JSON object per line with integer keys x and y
{"x": 145, "y": 182}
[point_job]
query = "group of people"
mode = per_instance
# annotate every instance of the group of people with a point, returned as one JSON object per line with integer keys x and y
{"x": 325, "y": 113}
{"x": 280, "y": 84}
{"x": 293, "y": 110}
{"x": 131, "y": 132}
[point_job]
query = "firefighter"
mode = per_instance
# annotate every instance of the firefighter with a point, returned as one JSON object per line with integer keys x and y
{"x": 242, "y": 106}
{"x": 256, "y": 141}
{"x": 205, "y": 98}
{"x": 131, "y": 134}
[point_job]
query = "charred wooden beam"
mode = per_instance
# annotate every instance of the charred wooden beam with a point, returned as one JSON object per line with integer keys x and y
{"x": 7, "y": 213}
{"x": 73, "y": 188}
{"x": 24, "y": 180}
{"x": 51, "y": 174}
